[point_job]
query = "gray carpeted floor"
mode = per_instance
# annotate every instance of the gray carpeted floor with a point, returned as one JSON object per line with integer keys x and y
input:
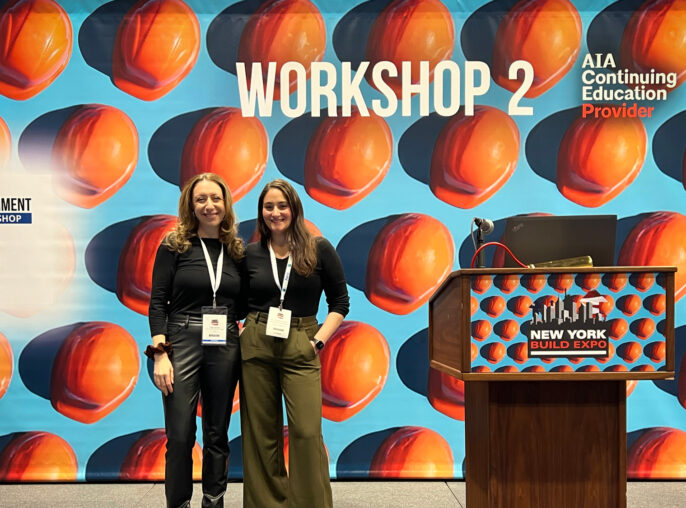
{"x": 434, "y": 494}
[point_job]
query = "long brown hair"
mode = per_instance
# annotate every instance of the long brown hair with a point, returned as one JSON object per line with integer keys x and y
{"x": 179, "y": 239}
{"x": 302, "y": 244}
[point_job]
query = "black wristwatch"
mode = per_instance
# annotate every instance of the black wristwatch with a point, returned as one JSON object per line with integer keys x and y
{"x": 318, "y": 344}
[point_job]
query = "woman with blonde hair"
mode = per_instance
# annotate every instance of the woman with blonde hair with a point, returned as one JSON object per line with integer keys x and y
{"x": 194, "y": 304}
{"x": 286, "y": 272}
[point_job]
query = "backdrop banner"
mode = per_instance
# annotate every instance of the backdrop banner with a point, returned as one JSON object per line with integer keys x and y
{"x": 398, "y": 122}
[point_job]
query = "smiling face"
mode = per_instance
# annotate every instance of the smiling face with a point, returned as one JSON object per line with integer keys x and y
{"x": 276, "y": 212}
{"x": 208, "y": 207}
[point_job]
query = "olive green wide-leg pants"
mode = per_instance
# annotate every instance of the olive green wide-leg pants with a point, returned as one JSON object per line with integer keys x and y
{"x": 271, "y": 368}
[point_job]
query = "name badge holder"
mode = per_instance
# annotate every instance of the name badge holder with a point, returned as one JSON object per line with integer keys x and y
{"x": 214, "y": 318}
{"x": 279, "y": 319}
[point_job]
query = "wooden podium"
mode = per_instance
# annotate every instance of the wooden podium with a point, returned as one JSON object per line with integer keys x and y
{"x": 545, "y": 398}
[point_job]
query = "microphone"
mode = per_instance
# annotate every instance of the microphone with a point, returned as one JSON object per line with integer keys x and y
{"x": 485, "y": 225}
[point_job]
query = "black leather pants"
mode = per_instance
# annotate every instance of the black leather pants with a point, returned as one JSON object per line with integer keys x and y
{"x": 213, "y": 372}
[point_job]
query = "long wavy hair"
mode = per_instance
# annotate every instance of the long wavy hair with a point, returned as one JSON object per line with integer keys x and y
{"x": 301, "y": 242}
{"x": 179, "y": 239}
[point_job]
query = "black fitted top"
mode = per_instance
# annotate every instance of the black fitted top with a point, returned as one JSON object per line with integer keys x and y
{"x": 303, "y": 293}
{"x": 181, "y": 284}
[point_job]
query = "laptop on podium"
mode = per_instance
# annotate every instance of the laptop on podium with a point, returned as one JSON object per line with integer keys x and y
{"x": 539, "y": 239}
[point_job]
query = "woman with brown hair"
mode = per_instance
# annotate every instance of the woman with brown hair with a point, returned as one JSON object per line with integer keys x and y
{"x": 194, "y": 304}
{"x": 286, "y": 272}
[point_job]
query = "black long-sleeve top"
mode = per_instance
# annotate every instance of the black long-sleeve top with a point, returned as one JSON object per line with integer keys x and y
{"x": 303, "y": 293}
{"x": 181, "y": 284}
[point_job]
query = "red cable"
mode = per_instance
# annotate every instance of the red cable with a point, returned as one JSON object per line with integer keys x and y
{"x": 499, "y": 245}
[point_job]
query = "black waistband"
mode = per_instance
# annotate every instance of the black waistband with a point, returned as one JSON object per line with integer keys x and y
{"x": 296, "y": 322}
{"x": 194, "y": 319}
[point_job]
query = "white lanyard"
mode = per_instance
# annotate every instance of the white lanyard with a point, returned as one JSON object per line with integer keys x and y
{"x": 275, "y": 272}
{"x": 214, "y": 279}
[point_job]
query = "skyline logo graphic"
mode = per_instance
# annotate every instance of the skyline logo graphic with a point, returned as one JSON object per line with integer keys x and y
{"x": 569, "y": 327}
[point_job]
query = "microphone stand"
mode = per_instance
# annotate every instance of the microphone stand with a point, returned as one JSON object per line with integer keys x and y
{"x": 481, "y": 256}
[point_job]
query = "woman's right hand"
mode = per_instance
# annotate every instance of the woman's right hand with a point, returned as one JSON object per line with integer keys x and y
{"x": 163, "y": 374}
